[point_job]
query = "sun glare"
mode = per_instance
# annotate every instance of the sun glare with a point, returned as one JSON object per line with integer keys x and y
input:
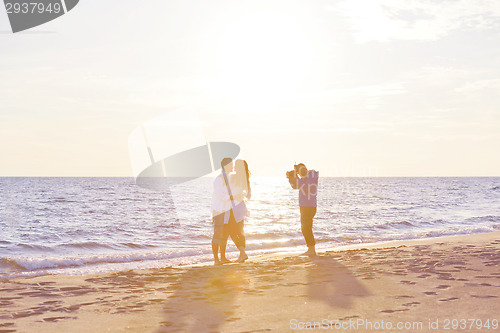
{"x": 264, "y": 54}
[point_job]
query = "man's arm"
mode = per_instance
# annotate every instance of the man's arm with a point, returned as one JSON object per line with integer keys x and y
{"x": 216, "y": 198}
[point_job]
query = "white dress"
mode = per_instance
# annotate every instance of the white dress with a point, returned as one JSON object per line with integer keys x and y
{"x": 240, "y": 210}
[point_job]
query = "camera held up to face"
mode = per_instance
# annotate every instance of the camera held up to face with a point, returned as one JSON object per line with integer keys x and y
{"x": 298, "y": 169}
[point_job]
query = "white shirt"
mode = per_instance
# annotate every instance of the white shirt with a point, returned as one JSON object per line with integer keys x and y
{"x": 220, "y": 198}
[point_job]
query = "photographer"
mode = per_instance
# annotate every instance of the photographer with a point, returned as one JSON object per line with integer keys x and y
{"x": 306, "y": 181}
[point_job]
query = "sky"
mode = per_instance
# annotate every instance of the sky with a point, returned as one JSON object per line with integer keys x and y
{"x": 382, "y": 88}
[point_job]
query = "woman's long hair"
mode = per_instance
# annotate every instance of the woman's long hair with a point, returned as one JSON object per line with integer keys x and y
{"x": 242, "y": 178}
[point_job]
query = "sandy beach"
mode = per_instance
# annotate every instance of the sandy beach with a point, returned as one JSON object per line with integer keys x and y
{"x": 431, "y": 285}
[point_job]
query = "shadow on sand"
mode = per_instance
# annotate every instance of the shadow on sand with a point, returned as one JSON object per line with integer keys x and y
{"x": 333, "y": 283}
{"x": 205, "y": 298}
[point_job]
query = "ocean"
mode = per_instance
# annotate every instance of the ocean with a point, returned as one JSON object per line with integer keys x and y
{"x": 96, "y": 225}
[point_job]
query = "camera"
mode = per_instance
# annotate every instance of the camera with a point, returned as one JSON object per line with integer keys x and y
{"x": 293, "y": 173}
{"x": 298, "y": 169}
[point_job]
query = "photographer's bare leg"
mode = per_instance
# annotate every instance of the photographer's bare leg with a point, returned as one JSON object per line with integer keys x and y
{"x": 306, "y": 223}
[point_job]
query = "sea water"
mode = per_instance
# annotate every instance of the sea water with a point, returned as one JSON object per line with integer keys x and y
{"x": 93, "y": 225}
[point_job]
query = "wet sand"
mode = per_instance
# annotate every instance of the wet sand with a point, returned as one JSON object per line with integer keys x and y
{"x": 429, "y": 281}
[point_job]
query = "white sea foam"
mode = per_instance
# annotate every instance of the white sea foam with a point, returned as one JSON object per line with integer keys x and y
{"x": 76, "y": 225}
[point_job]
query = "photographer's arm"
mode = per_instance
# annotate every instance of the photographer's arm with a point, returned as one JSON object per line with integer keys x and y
{"x": 293, "y": 182}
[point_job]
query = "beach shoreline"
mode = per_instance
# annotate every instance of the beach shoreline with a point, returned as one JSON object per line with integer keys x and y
{"x": 418, "y": 280}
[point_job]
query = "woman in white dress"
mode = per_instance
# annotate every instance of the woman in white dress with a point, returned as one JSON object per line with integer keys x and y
{"x": 241, "y": 191}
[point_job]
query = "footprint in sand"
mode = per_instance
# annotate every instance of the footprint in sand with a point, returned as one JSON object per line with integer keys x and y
{"x": 443, "y": 286}
{"x": 55, "y": 319}
{"x": 407, "y": 282}
{"x": 403, "y": 297}
{"x": 448, "y": 299}
{"x": 7, "y": 325}
{"x": 233, "y": 319}
{"x": 411, "y": 304}
{"x": 349, "y": 317}
{"x": 429, "y": 293}
{"x": 166, "y": 323}
{"x": 52, "y": 302}
{"x": 492, "y": 263}
{"x": 422, "y": 276}
{"x": 24, "y": 314}
{"x": 156, "y": 300}
{"x": 69, "y": 288}
{"x": 484, "y": 296}
{"x": 392, "y": 311}
{"x": 3, "y": 327}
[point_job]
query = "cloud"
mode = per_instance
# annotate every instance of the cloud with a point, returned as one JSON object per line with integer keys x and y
{"x": 424, "y": 20}
{"x": 480, "y": 85}
{"x": 339, "y": 130}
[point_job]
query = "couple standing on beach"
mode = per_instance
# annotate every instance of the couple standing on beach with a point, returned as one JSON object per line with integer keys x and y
{"x": 229, "y": 209}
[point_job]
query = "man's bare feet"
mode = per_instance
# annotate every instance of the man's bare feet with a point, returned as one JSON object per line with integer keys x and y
{"x": 225, "y": 261}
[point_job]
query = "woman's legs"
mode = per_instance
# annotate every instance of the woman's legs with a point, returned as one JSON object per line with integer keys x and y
{"x": 238, "y": 236}
{"x": 242, "y": 243}
{"x": 221, "y": 234}
{"x": 239, "y": 240}
{"x": 215, "y": 251}
{"x": 241, "y": 234}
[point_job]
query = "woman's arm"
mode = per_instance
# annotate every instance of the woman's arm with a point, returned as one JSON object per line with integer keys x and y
{"x": 293, "y": 182}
